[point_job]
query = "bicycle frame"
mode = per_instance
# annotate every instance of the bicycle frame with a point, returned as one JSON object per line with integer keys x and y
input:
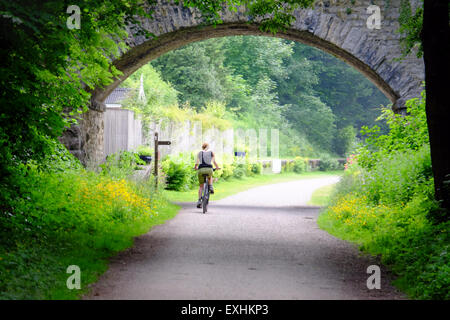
{"x": 205, "y": 195}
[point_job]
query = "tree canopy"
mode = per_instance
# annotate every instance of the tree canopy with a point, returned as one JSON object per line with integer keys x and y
{"x": 271, "y": 82}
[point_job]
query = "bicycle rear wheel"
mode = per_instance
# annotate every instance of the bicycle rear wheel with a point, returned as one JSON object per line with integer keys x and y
{"x": 205, "y": 197}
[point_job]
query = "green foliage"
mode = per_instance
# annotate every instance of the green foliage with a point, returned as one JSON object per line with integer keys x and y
{"x": 58, "y": 159}
{"x": 179, "y": 175}
{"x": 411, "y": 27}
{"x": 264, "y": 93}
{"x": 227, "y": 171}
{"x": 64, "y": 218}
{"x": 240, "y": 52}
{"x": 349, "y": 94}
{"x": 408, "y": 132}
{"x": 121, "y": 165}
{"x": 383, "y": 202}
{"x": 328, "y": 163}
{"x": 145, "y": 151}
{"x": 198, "y": 76}
{"x": 159, "y": 94}
{"x": 386, "y": 213}
{"x": 316, "y": 119}
{"x": 239, "y": 170}
{"x": 300, "y": 165}
{"x": 256, "y": 168}
{"x": 344, "y": 140}
{"x": 53, "y": 212}
{"x": 48, "y": 70}
{"x": 179, "y": 171}
{"x": 395, "y": 179}
{"x": 273, "y": 15}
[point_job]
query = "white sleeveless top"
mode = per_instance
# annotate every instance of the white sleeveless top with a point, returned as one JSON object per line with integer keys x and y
{"x": 205, "y": 158}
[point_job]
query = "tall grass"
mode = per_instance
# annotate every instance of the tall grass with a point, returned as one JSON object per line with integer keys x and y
{"x": 385, "y": 203}
{"x": 71, "y": 217}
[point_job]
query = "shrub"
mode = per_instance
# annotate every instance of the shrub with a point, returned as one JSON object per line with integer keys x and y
{"x": 239, "y": 170}
{"x": 300, "y": 165}
{"x": 145, "y": 151}
{"x": 408, "y": 132}
{"x": 396, "y": 178}
{"x": 121, "y": 164}
{"x": 248, "y": 168}
{"x": 180, "y": 176}
{"x": 227, "y": 171}
{"x": 288, "y": 166}
{"x": 257, "y": 168}
{"x": 327, "y": 163}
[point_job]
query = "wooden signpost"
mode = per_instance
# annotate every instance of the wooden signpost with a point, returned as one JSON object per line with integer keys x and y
{"x": 158, "y": 143}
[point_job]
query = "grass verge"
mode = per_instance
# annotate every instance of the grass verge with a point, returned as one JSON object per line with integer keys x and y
{"x": 322, "y": 196}
{"x": 225, "y": 188}
{"x": 416, "y": 250}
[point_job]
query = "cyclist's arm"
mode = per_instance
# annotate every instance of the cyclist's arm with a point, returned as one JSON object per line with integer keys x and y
{"x": 196, "y": 163}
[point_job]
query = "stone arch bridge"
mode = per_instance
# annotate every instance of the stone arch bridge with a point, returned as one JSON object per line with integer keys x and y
{"x": 337, "y": 27}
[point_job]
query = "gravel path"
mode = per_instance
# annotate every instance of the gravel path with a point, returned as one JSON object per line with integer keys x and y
{"x": 263, "y": 243}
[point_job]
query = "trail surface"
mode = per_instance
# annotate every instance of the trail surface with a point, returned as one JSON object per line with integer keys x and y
{"x": 263, "y": 243}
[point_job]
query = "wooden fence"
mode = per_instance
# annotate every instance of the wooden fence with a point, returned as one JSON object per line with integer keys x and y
{"x": 122, "y": 131}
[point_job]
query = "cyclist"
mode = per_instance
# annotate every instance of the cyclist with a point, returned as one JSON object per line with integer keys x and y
{"x": 205, "y": 158}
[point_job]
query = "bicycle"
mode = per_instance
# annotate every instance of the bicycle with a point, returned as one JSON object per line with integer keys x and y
{"x": 205, "y": 195}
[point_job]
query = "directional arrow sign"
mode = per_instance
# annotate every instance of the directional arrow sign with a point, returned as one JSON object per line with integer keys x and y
{"x": 164, "y": 143}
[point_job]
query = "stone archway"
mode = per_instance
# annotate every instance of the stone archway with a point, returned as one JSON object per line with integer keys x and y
{"x": 330, "y": 26}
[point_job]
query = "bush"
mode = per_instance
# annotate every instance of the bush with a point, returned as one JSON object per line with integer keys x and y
{"x": 300, "y": 165}
{"x": 227, "y": 171}
{"x": 396, "y": 178}
{"x": 239, "y": 170}
{"x": 145, "y": 151}
{"x": 179, "y": 173}
{"x": 288, "y": 166}
{"x": 327, "y": 163}
{"x": 256, "y": 168}
{"x": 248, "y": 168}
{"x": 121, "y": 164}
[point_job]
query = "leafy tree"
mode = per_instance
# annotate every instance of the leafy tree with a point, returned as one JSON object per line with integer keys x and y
{"x": 352, "y": 97}
{"x": 159, "y": 94}
{"x": 315, "y": 119}
{"x": 344, "y": 140}
{"x": 47, "y": 71}
{"x": 191, "y": 71}
{"x": 259, "y": 76}
{"x": 254, "y": 57}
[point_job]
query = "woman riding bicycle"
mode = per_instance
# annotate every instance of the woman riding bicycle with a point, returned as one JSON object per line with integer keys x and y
{"x": 204, "y": 167}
